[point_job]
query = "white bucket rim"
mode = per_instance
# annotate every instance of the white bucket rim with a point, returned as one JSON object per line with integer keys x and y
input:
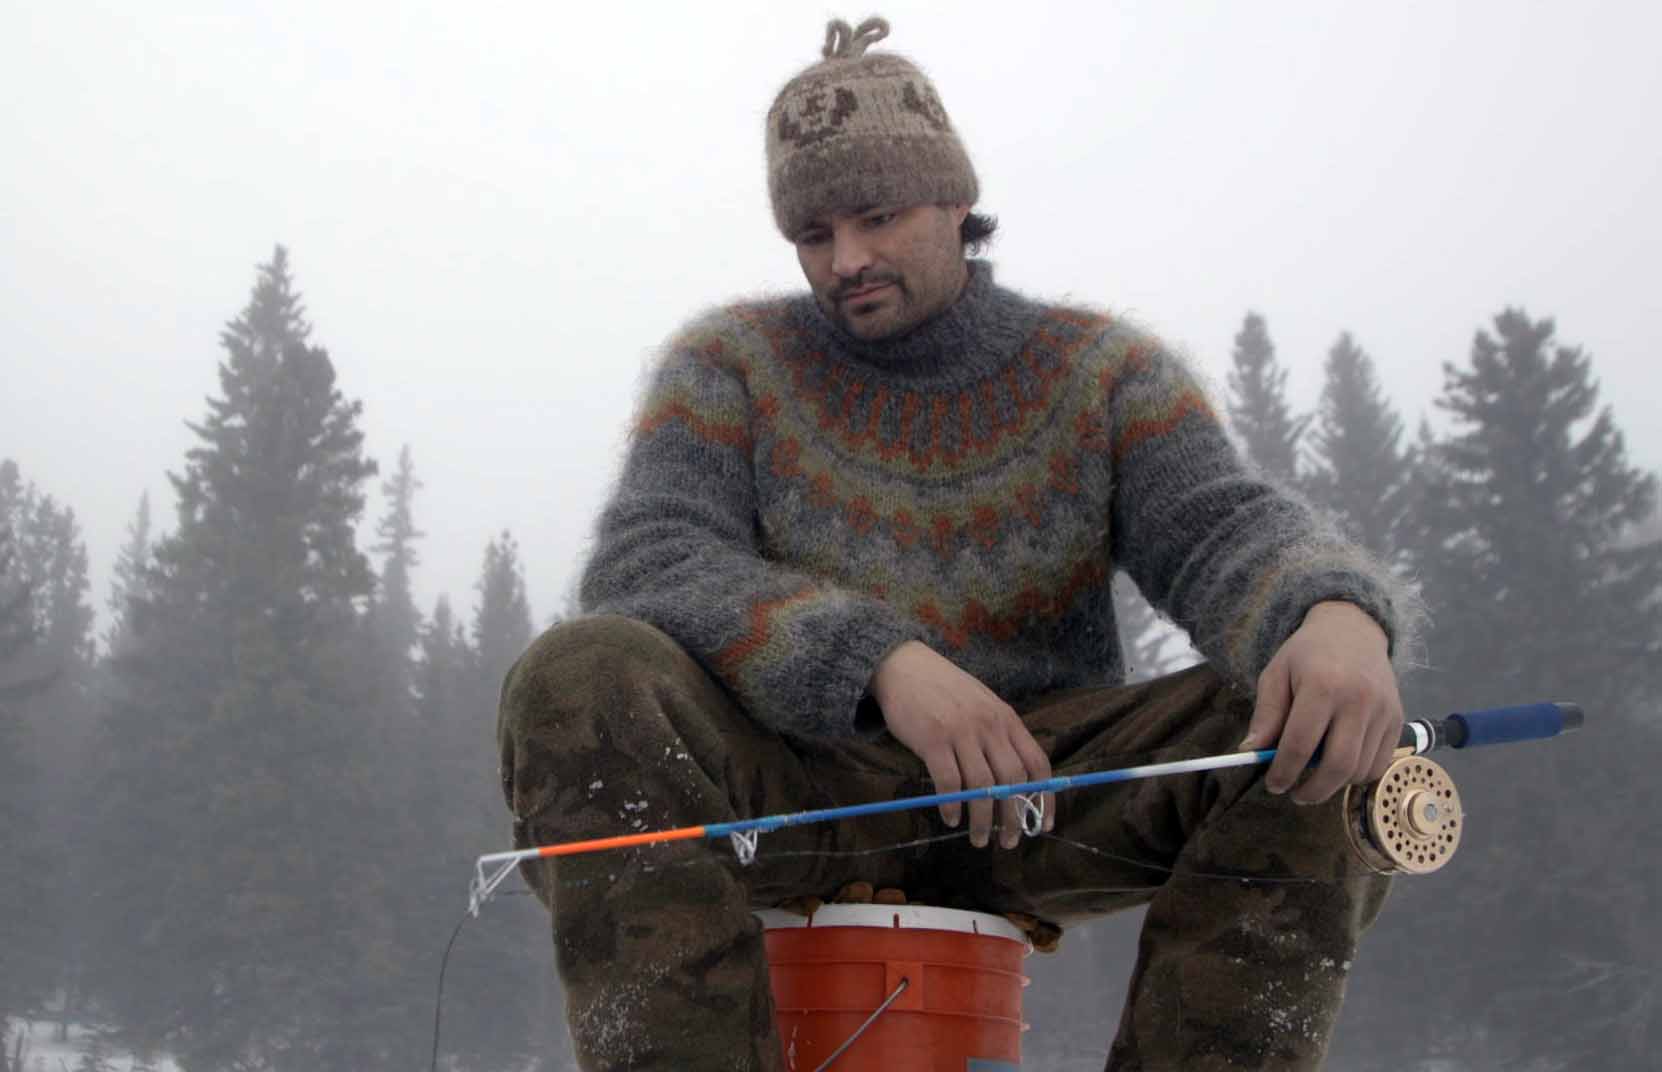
{"x": 895, "y": 917}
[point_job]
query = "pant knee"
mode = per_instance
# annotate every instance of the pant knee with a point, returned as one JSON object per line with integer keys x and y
{"x": 565, "y": 683}
{"x": 606, "y": 641}
{"x": 583, "y": 659}
{"x": 608, "y": 693}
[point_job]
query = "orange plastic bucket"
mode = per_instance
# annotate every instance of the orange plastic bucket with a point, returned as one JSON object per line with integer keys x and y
{"x": 959, "y": 1009}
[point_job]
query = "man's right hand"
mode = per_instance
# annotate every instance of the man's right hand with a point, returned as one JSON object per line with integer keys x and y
{"x": 966, "y": 736}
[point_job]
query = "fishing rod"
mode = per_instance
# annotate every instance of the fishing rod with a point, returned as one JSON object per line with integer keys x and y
{"x": 1408, "y": 822}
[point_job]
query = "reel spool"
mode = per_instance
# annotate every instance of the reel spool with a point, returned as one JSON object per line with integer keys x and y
{"x": 1409, "y": 821}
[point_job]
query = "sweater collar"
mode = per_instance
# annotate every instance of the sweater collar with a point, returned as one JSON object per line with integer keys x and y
{"x": 978, "y": 334}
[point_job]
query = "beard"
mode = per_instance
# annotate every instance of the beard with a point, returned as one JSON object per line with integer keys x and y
{"x": 873, "y": 318}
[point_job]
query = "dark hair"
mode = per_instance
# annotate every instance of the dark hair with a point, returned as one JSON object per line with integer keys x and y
{"x": 976, "y": 231}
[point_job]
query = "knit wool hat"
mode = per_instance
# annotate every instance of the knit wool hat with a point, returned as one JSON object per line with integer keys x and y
{"x": 856, "y": 131}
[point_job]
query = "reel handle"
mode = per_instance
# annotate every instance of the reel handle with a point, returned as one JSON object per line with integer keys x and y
{"x": 1495, "y": 725}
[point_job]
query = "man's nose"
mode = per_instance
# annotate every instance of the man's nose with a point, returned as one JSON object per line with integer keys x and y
{"x": 849, "y": 253}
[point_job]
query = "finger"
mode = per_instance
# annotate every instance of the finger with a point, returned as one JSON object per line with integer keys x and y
{"x": 1037, "y": 766}
{"x": 1385, "y": 751}
{"x": 943, "y": 771}
{"x": 1368, "y": 758}
{"x": 1392, "y": 735}
{"x": 1009, "y": 823}
{"x": 1305, "y": 723}
{"x": 1270, "y": 710}
{"x": 1007, "y": 763}
{"x": 977, "y": 775}
{"x": 1366, "y": 753}
{"x": 1341, "y": 743}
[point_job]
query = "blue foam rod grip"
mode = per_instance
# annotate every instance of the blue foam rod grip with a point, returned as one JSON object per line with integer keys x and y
{"x": 1531, "y": 722}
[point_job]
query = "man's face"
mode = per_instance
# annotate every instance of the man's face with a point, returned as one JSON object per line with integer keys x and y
{"x": 882, "y": 271}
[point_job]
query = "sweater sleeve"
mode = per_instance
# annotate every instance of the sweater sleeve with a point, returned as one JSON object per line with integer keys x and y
{"x": 1228, "y": 555}
{"x": 677, "y": 547}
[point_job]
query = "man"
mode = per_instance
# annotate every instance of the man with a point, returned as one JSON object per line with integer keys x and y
{"x": 862, "y": 547}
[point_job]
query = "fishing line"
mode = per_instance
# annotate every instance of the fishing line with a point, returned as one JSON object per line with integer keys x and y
{"x": 923, "y": 842}
{"x": 1176, "y": 872}
{"x": 1408, "y": 822}
{"x": 438, "y": 1003}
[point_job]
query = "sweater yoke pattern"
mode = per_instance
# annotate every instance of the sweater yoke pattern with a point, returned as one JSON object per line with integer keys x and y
{"x": 932, "y": 470}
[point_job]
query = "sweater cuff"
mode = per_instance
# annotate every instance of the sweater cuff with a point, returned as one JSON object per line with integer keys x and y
{"x": 1286, "y": 615}
{"x": 850, "y": 710}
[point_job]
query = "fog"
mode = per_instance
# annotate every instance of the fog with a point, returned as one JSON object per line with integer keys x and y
{"x": 495, "y": 217}
{"x": 497, "y": 214}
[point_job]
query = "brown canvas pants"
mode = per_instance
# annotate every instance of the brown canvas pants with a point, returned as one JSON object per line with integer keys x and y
{"x": 608, "y": 727}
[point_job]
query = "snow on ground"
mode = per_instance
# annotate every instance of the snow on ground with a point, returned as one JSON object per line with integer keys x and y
{"x": 42, "y": 1051}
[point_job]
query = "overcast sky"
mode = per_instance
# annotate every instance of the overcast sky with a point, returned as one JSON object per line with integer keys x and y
{"x": 497, "y": 212}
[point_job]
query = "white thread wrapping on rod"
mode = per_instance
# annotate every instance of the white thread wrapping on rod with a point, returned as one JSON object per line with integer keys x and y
{"x": 744, "y": 845}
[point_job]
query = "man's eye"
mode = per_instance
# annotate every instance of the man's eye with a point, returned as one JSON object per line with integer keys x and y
{"x": 879, "y": 219}
{"x": 810, "y": 238}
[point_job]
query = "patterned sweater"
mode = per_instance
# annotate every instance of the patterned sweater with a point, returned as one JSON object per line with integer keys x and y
{"x": 796, "y": 503}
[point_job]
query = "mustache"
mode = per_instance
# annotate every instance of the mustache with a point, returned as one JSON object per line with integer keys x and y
{"x": 863, "y": 282}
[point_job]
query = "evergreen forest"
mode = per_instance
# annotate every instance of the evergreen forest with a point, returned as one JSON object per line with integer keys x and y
{"x": 238, "y": 820}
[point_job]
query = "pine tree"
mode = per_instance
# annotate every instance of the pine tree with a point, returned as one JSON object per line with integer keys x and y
{"x": 1358, "y": 469}
{"x": 1533, "y": 494}
{"x": 502, "y": 619}
{"x": 1522, "y": 520}
{"x": 456, "y": 734}
{"x": 501, "y": 632}
{"x": 397, "y": 621}
{"x": 18, "y": 631}
{"x": 129, "y": 587}
{"x": 393, "y": 632}
{"x": 502, "y": 1005}
{"x": 25, "y": 975}
{"x": 446, "y": 667}
{"x": 129, "y": 576}
{"x": 239, "y": 731}
{"x": 51, "y": 560}
{"x": 455, "y": 729}
{"x": 1257, "y": 403}
{"x": 52, "y": 564}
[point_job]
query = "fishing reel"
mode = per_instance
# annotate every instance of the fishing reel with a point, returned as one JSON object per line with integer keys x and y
{"x": 1410, "y": 821}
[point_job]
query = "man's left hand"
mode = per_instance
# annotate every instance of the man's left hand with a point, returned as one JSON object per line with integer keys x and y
{"x": 1330, "y": 684}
